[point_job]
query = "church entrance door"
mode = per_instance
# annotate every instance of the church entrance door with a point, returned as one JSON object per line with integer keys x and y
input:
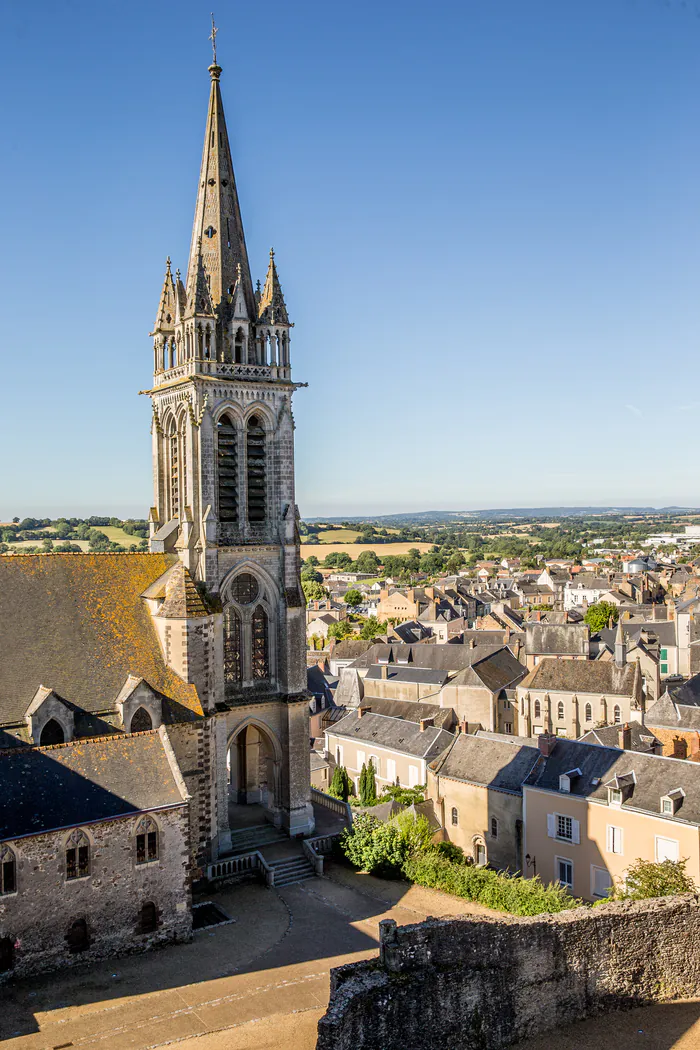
{"x": 253, "y": 768}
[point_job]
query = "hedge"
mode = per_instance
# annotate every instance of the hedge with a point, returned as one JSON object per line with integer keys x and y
{"x": 509, "y": 893}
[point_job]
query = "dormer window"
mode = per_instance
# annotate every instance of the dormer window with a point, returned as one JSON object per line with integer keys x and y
{"x": 671, "y": 803}
{"x": 614, "y": 796}
{"x": 566, "y": 779}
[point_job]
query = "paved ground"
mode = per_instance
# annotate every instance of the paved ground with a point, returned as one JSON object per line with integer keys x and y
{"x": 261, "y": 982}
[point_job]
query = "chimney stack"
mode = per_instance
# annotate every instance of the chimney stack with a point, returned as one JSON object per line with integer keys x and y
{"x": 464, "y": 726}
{"x": 425, "y": 723}
{"x": 624, "y": 737}
{"x": 472, "y": 643}
{"x": 545, "y": 743}
{"x": 384, "y": 671}
{"x": 363, "y": 711}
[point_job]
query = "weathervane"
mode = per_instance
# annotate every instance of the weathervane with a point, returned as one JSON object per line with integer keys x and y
{"x": 214, "y": 31}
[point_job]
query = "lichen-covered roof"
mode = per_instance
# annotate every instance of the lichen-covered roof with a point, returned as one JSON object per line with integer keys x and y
{"x": 57, "y": 787}
{"x": 77, "y": 624}
{"x": 182, "y": 602}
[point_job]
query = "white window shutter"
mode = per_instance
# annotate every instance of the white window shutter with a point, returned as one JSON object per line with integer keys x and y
{"x": 551, "y": 826}
{"x": 609, "y": 845}
{"x": 575, "y": 832}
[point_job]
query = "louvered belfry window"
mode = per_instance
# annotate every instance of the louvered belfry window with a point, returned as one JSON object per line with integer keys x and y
{"x": 174, "y": 477}
{"x": 255, "y": 450}
{"x": 227, "y": 439}
{"x": 232, "y": 645}
{"x": 261, "y": 654}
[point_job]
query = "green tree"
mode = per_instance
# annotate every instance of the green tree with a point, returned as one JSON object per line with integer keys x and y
{"x": 340, "y": 784}
{"x": 598, "y": 616}
{"x": 340, "y": 630}
{"x": 313, "y": 591}
{"x": 312, "y": 560}
{"x": 454, "y": 563}
{"x": 646, "y": 878}
{"x": 372, "y": 627}
{"x": 310, "y": 573}
{"x": 368, "y": 562}
{"x": 353, "y": 596}
{"x": 368, "y": 785}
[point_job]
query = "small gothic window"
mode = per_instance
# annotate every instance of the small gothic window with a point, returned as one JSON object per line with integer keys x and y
{"x": 617, "y": 714}
{"x": 209, "y": 232}
{"x": 239, "y": 345}
{"x": 78, "y": 856}
{"x": 148, "y": 917}
{"x": 77, "y": 936}
{"x": 589, "y": 713}
{"x": 560, "y": 710}
{"x": 261, "y": 658}
{"x": 52, "y": 733}
{"x": 227, "y": 441}
{"x": 255, "y": 449}
{"x": 455, "y": 816}
{"x": 141, "y": 721}
{"x": 7, "y": 954}
{"x": 146, "y": 842}
{"x": 232, "y": 645}
{"x": 538, "y": 709}
{"x": 8, "y": 871}
{"x": 244, "y": 589}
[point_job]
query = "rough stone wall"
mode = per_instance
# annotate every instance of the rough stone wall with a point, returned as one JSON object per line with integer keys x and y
{"x": 38, "y": 916}
{"x": 195, "y": 749}
{"x": 482, "y": 984}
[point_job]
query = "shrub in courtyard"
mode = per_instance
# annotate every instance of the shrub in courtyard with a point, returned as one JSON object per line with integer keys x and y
{"x": 646, "y": 878}
{"x": 382, "y": 848}
{"x": 340, "y": 784}
{"x": 368, "y": 785}
{"x": 451, "y": 851}
{"x": 510, "y": 893}
{"x": 405, "y": 795}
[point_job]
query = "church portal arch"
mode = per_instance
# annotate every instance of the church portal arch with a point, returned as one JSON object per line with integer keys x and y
{"x": 254, "y": 763}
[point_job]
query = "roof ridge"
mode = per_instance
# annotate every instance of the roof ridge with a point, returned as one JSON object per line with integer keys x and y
{"x": 75, "y": 741}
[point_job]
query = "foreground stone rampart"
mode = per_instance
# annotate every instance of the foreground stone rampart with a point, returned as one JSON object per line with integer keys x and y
{"x": 480, "y": 984}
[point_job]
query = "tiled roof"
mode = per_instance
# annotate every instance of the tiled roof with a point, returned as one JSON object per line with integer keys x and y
{"x": 501, "y": 764}
{"x": 77, "y": 624}
{"x": 393, "y": 733}
{"x": 69, "y": 784}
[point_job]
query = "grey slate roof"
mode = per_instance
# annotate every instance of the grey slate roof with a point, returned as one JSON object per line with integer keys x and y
{"x": 411, "y": 710}
{"x": 667, "y": 714}
{"x": 503, "y": 764}
{"x": 70, "y": 784}
{"x": 641, "y": 737}
{"x": 437, "y": 657}
{"x": 393, "y": 733}
{"x": 558, "y": 639}
{"x": 655, "y": 777}
{"x": 407, "y": 673}
{"x": 585, "y": 676}
{"x": 663, "y": 630}
{"x": 494, "y": 672}
{"x": 688, "y": 693}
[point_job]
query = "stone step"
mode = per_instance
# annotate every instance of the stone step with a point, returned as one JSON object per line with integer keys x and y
{"x": 289, "y": 872}
{"x": 246, "y": 840}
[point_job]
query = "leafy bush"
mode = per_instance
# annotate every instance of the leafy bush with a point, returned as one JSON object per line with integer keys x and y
{"x": 510, "y": 893}
{"x": 450, "y": 851}
{"x": 382, "y": 848}
{"x": 405, "y": 795}
{"x": 646, "y": 878}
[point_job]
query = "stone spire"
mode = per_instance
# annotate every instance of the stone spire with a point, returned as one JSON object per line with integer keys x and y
{"x": 271, "y": 308}
{"x": 199, "y": 298}
{"x": 165, "y": 318}
{"x": 620, "y": 646}
{"x": 218, "y": 226}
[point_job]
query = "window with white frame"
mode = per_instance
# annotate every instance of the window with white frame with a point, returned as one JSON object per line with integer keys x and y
{"x": 375, "y": 762}
{"x": 391, "y": 770}
{"x": 360, "y": 760}
{"x": 601, "y": 882}
{"x": 614, "y": 839}
{"x": 413, "y": 776}
{"x": 563, "y": 827}
{"x": 564, "y": 872}
{"x": 666, "y": 849}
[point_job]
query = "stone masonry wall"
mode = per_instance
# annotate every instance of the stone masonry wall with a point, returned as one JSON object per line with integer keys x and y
{"x": 38, "y": 916}
{"x": 481, "y": 984}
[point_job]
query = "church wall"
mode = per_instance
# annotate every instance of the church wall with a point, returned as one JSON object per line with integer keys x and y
{"x": 38, "y": 916}
{"x": 194, "y": 746}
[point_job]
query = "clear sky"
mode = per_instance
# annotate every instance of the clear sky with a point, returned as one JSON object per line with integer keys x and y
{"x": 486, "y": 215}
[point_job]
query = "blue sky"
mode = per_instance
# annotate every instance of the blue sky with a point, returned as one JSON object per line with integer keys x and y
{"x": 486, "y": 215}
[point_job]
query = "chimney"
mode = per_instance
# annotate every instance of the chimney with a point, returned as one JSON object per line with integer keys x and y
{"x": 430, "y": 592}
{"x": 425, "y": 723}
{"x": 464, "y": 726}
{"x": 321, "y": 664}
{"x": 472, "y": 643}
{"x": 545, "y": 743}
{"x": 566, "y": 617}
{"x": 506, "y": 635}
{"x": 384, "y": 671}
{"x": 624, "y": 737}
{"x": 363, "y": 711}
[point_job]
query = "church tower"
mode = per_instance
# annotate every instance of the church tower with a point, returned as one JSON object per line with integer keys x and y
{"x": 223, "y": 472}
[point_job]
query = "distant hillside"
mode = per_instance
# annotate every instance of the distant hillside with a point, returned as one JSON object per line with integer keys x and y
{"x": 434, "y": 517}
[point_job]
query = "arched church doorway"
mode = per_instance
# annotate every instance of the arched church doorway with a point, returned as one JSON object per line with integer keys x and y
{"x": 253, "y": 767}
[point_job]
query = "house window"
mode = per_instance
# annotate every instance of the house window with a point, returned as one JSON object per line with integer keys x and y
{"x": 455, "y": 817}
{"x": 494, "y": 828}
{"x": 261, "y": 655}
{"x": 560, "y": 710}
{"x": 588, "y": 713}
{"x": 564, "y": 873}
{"x": 479, "y": 853}
{"x": 666, "y": 849}
{"x": 413, "y": 776}
{"x": 255, "y": 448}
{"x": 615, "y": 796}
{"x": 78, "y": 856}
{"x": 667, "y": 807}
{"x": 601, "y": 883}
{"x": 565, "y": 827}
{"x": 227, "y": 456}
{"x": 375, "y": 762}
{"x": 664, "y": 654}
{"x": 508, "y": 727}
{"x": 8, "y": 871}
{"x": 617, "y": 714}
{"x": 614, "y": 839}
{"x": 664, "y": 668}
{"x": 146, "y": 842}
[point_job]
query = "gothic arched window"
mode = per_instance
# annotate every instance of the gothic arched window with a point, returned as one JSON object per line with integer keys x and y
{"x": 617, "y": 714}
{"x": 455, "y": 816}
{"x": 52, "y": 733}
{"x": 261, "y": 646}
{"x": 232, "y": 645}
{"x": 538, "y": 709}
{"x": 560, "y": 711}
{"x": 8, "y": 871}
{"x": 227, "y": 450}
{"x": 239, "y": 347}
{"x": 77, "y": 856}
{"x": 146, "y": 841}
{"x": 245, "y": 589}
{"x": 141, "y": 721}
{"x": 255, "y": 450}
{"x": 589, "y": 713}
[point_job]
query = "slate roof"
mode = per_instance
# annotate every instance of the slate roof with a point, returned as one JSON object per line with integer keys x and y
{"x": 641, "y": 737}
{"x": 666, "y": 713}
{"x": 585, "y": 676}
{"x": 664, "y": 630}
{"x": 655, "y": 777}
{"x": 496, "y": 671}
{"x": 351, "y": 648}
{"x": 688, "y": 693}
{"x": 77, "y": 624}
{"x": 499, "y": 764}
{"x": 182, "y": 600}
{"x": 562, "y": 639}
{"x": 396, "y": 734}
{"x": 411, "y": 710}
{"x": 70, "y": 784}
{"x": 407, "y": 673}
{"x": 437, "y": 657}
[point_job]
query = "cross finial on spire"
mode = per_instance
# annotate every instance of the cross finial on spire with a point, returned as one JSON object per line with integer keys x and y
{"x": 212, "y": 36}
